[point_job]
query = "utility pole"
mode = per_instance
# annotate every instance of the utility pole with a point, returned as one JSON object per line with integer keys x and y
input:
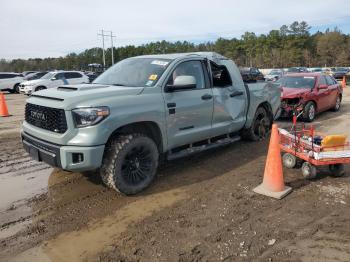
{"x": 112, "y": 47}
{"x": 103, "y": 45}
{"x": 103, "y": 49}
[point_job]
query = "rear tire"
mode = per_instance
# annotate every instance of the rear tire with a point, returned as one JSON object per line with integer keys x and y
{"x": 308, "y": 170}
{"x": 337, "y": 104}
{"x": 130, "y": 163}
{"x": 337, "y": 170}
{"x": 309, "y": 112}
{"x": 260, "y": 127}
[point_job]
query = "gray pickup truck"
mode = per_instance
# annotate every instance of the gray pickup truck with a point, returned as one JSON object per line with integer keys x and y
{"x": 145, "y": 109}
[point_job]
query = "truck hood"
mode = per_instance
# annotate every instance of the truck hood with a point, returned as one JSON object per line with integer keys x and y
{"x": 70, "y": 96}
{"x": 294, "y": 92}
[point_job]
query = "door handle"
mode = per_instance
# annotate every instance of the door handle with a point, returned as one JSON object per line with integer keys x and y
{"x": 207, "y": 97}
{"x": 236, "y": 93}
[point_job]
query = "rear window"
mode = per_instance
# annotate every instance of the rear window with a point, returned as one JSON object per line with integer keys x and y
{"x": 6, "y": 76}
{"x": 298, "y": 81}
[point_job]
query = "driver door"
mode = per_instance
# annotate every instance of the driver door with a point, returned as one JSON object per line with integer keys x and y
{"x": 189, "y": 112}
{"x": 57, "y": 81}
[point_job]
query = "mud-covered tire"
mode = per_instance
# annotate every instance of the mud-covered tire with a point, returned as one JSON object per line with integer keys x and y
{"x": 260, "y": 128}
{"x": 337, "y": 104}
{"x": 289, "y": 161}
{"x": 130, "y": 163}
{"x": 308, "y": 170}
{"x": 337, "y": 170}
{"x": 309, "y": 113}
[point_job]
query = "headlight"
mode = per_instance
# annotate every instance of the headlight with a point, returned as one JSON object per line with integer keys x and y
{"x": 89, "y": 116}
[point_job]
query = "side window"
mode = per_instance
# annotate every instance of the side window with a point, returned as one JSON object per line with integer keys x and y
{"x": 330, "y": 81}
{"x": 221, "y": 76}
{"x": 189, "y": 68}
{"x": 70, "y": 75}
{"x": 322, "y": 81}
{"x": 59, "y": 76}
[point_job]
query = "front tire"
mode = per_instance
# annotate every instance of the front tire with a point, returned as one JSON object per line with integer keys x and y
{"x": 130, "y": 163}
{"x": 337, "y": 170}
{"x": 16, "y": 88}
{"x": 40, "y": 88}
{"x": 309, "y": 112}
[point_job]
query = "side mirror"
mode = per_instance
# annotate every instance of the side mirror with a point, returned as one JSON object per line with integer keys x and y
{"x": 53, "y": 79}
{"x": 322, "y": 87}
{"x": 182, "y": 83}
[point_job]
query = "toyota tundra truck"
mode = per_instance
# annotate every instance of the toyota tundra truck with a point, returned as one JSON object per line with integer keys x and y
{"x": 144, "y": 110}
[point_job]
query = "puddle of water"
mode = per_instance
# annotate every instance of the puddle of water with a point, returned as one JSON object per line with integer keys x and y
{"x": 78, "y": 245}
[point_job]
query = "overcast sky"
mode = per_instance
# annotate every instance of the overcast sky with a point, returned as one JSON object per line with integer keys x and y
{"x": 42, "y": 28}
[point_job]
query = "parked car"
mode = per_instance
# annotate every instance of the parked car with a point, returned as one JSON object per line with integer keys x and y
{"x": 92, "y": 76}
{"x": 53, "y": 79}
{"x": 10, "y": 82}
{"x": 251, "y": 74}
{"x": 315, "y": 70}
{"x": 339, "y": 72}
{"x": 36, "y": 75}
{"x": 297, "y": 70}
{"x": 144, "y": 108}
{"x": 309, "y": 94}
{"x": 25, "y": 73}
{"x": 274, "y": 75}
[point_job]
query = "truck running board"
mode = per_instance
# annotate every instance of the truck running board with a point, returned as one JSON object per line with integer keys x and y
{"x": 190, "y": 149}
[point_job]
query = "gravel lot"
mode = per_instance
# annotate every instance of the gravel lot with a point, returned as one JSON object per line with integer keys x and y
{"x": 200, "y": 208}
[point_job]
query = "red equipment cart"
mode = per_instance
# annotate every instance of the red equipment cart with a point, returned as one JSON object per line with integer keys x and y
{"x": 302, "y": 145}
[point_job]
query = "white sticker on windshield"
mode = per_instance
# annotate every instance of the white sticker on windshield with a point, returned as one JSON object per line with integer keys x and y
{"x": 309, "y": 77}
{"x": 159, "y": 62}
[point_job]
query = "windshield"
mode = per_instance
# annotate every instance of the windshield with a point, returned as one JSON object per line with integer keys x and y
{"x": 298, "y": 81}
{"x": 134, "y": 72}
{"x": 48, "y": 76}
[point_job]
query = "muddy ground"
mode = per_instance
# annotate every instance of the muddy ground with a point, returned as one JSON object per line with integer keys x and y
{"x": 200, "y": 208}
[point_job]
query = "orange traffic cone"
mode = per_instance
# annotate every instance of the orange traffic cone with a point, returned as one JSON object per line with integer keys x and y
{"x": 3, "y": 107}
{"x": 343, "y": 83}
{"x": 273, "y": 183}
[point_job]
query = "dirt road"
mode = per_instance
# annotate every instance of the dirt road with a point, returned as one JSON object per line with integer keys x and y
{"x": 199, "y": 209}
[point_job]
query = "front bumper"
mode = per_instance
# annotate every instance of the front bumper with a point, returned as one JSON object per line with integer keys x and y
{"x": 71, "y": 158}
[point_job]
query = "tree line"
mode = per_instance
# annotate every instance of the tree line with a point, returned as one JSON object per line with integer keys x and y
{"x": 291, "y": 45}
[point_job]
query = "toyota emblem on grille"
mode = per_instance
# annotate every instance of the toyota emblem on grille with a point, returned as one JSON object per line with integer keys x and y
{"x": 38, "y": 115}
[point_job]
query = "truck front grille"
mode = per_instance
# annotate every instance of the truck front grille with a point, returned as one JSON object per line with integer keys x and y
{"x": 48, "y": 118}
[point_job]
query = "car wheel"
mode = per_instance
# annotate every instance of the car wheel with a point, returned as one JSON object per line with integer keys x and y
{"x": 40, "y": 88}
{"x": 309, "y": 112}
{"x": 337, "y": 170}
{"x": 289, "y": 161}
{"x": 16, "y": 89}
{"x": 130, "y": 163}
{"x": 308, "y": 170}
{"x": 337, "y": 104}
{"x": 260, "y": 127}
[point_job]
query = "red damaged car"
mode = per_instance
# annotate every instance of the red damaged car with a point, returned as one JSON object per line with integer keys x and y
{"x": 309, "y": 94}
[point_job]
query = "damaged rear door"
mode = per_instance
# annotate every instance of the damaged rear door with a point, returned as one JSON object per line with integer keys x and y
{"x": 230, "y": 99}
